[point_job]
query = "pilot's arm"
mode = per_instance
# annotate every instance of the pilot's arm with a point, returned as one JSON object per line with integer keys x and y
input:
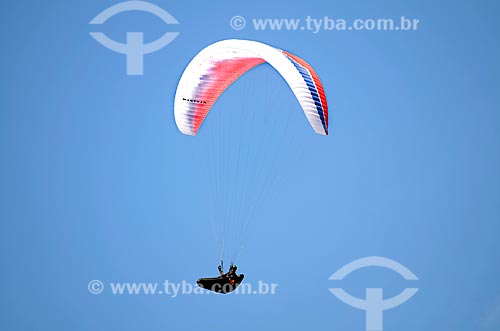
{"x": 220, "y": 270}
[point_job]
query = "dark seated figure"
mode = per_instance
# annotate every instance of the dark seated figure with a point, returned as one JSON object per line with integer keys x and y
{"x": 225, "y": 283}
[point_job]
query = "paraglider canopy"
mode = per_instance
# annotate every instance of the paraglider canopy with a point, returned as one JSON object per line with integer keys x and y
{"x": 217, "y": 66}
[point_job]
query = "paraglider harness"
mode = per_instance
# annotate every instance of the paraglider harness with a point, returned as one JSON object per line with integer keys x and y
{"x": 225, "y": 283}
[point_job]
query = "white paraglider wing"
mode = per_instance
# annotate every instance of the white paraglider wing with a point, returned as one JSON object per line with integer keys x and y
{"x": 217, "y": 66}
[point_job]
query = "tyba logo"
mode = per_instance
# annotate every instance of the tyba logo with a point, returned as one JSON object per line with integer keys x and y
{"x": 134, "y": 48}
{"x": 374, "y": 303}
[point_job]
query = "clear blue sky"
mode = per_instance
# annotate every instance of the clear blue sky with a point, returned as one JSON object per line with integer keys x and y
{"x": 96, "y": 182}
